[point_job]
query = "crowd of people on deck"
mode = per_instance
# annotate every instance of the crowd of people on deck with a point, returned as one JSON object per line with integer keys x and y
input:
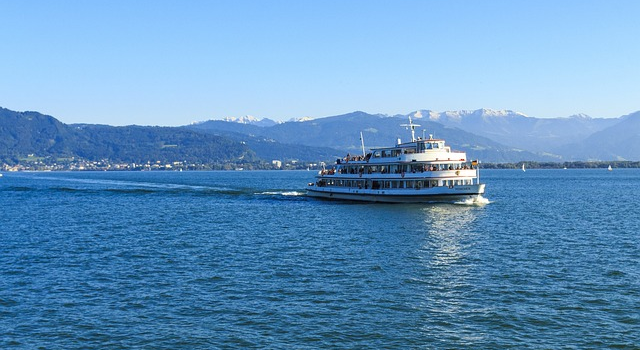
{"x": 355, "y": 158}
{"x": 382, "y": 169}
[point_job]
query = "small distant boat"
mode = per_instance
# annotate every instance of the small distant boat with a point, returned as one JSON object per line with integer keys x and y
{"x": 609, "y": 168}
{"x": 523, "y": 169}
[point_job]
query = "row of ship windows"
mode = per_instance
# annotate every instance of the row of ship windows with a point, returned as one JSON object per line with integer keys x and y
{"x": 398, "y": 151}
{"x": 393, "y": 153}
{"x": 365, "y": 184}
{"x": 397, "y": 169}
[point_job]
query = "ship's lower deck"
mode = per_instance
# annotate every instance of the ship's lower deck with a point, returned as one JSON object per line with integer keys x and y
{"x": 423, "y": 195}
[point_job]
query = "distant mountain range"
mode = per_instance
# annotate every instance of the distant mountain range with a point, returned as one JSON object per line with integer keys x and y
{"x": 264, "y": 122}
{"x": 492, "y": 136}
{"x": 573, "y": 138}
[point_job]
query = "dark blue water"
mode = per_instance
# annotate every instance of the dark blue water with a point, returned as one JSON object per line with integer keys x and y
{"x": 199, "y": 260}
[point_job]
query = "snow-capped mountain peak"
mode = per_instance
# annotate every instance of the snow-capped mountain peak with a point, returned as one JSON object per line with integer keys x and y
{"x": 423, "y": 113}
{"x": 301, "y": 119}
{"x": 456, "y": 116}
{"x": 249, "y": 119}
{"x": 486, "y": 112}
{"x": 579, "y": 116}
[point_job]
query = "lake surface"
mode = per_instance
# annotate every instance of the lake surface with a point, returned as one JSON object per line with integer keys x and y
{"x": 236, "y": 260}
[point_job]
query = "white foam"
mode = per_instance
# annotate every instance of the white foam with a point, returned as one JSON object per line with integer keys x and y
{"x": 293, "y": 193}
{"x": 278, "y": 193}
{"x": 474, "y": 201}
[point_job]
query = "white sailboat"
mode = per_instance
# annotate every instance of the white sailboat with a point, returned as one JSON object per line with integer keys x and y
{"x": 609, "y": 168}
{"x": 523, "y": 169}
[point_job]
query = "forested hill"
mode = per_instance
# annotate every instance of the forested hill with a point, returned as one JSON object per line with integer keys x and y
{"x": 24, "y": 134}
{"x": 32, "y": 133}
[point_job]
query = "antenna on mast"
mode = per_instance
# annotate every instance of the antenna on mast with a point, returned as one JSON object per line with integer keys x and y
{"x": 413, "y": 129}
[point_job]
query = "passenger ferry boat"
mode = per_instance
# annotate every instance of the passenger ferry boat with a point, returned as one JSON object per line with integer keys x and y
{"x": 420, "y": 171}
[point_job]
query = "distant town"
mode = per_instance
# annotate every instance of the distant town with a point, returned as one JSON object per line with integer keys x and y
{"x": 34, "y": 163}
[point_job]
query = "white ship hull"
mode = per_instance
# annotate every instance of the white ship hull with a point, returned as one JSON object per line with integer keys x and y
{"x": 426, "y": 195}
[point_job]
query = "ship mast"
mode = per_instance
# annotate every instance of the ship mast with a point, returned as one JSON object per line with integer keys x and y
{"x": 413, "y": 129}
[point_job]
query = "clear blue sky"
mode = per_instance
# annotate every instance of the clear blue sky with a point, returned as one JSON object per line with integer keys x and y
{"x": 173, "y": 62}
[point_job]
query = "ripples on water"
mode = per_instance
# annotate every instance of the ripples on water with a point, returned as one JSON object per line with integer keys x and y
{"x": 245, "y": 260}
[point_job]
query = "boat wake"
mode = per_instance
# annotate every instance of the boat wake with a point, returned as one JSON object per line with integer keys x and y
{"x": 82, "y": 185}
{"x": 126, "y": 187}
{"x": 479, "y": 201}
{"x": 282, "y": 193}
{"x": 116, "y": 185}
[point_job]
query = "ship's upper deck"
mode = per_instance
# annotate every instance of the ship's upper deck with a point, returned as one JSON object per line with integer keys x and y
{"x": 419, "y": 150}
